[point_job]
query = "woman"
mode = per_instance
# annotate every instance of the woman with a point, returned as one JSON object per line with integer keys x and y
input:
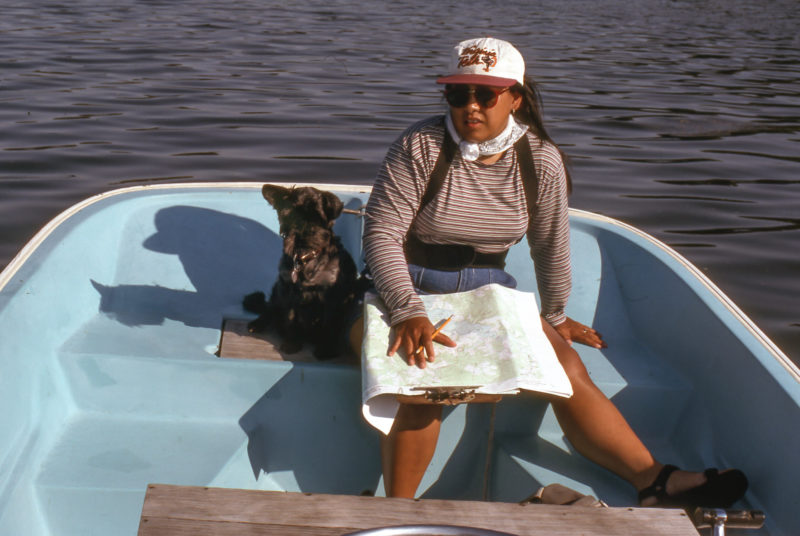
{"x": 482, "y": 205}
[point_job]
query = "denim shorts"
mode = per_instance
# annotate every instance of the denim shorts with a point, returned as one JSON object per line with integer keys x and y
{"x": 430, "y": 281}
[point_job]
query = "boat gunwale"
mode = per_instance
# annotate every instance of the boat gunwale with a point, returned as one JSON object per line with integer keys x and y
{"x": 39, "y": 238}
{"x": 32, "y": 245}
{"x": 706, "y": 282}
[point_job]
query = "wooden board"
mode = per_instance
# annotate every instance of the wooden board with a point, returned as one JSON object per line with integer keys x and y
{"x": 198, "y": 511}
{"x": 238, "y": 343}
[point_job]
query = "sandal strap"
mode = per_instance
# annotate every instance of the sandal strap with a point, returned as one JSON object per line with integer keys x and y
{"x": 720, "y": 490}
{"x": 658, "y": 488}
{"x": 711, "y": 473}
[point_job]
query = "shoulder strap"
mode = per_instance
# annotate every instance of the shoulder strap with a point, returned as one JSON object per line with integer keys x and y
{"x": 440, "y": 169}
{"x": 527, "y": 168}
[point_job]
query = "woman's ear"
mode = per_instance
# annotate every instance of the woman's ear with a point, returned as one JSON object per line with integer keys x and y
{"x": 516, "y": 102}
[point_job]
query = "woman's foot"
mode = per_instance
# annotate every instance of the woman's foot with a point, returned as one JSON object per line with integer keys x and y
{"x": 682, "y": 489}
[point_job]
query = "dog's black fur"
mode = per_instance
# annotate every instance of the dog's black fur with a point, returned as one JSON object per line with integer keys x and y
{"x": 317, "y": 285}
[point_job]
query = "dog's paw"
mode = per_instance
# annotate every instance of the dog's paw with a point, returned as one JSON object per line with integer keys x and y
{"x": 291, "y": 347}
{"x": 258, "y": 325}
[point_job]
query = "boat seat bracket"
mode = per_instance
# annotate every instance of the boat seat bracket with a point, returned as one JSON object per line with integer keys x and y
{"x": 718, "y": 519}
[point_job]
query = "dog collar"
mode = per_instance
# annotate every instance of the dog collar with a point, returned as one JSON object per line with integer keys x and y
{"x": 300, "y": 260}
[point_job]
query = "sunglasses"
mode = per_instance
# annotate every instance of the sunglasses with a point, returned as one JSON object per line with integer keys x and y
{"x": 459, "y": 95}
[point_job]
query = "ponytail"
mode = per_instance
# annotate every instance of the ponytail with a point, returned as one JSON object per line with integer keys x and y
{"x": 530, "y": 113}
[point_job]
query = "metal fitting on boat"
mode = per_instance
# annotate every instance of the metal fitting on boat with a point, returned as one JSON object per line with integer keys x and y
{"x": 719, "y": 519}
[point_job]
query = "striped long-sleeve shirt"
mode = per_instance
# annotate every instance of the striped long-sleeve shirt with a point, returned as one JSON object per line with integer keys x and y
{"x": 479, "y": 205}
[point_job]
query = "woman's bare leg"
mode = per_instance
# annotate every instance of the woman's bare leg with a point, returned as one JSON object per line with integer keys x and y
{"x": 594, "y": 425}
{"x": 597, "y": 429}
{"x": 408, "y": 449}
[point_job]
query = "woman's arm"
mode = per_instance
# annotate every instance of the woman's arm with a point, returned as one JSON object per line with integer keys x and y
{"x": 390, "y": 211}
{"x": 548, "y": 236}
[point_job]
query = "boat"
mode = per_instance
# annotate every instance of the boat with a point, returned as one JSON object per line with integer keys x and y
{"x": 112, "y": 323}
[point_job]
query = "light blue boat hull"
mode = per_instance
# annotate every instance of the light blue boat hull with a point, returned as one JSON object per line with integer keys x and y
{"x": 111, "y": 317}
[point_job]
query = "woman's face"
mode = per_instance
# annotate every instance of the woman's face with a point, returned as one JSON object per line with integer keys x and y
{"x": 478, "y": 120}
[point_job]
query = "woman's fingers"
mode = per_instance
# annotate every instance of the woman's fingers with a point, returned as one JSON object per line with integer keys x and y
{"x": 396, "y": 342}
{"x": 443, "y": 339}
{"x": 571, "y": 331}
{"x": 420, "y": 356}
{"x": 414, "y": 337}
{"x": 590, "y": 337}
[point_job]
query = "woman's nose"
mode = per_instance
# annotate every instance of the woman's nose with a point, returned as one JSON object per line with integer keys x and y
{"x": 473, "y": 102}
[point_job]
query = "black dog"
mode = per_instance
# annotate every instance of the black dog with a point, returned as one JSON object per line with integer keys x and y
{"x": 317, "y": 286}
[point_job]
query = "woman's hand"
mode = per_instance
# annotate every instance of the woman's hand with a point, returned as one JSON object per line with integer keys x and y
{"x": 570, "y": 331}
{"x": 413, "y": 333}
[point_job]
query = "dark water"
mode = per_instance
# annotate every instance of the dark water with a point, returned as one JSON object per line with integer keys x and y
{"x": 681, "y": 117}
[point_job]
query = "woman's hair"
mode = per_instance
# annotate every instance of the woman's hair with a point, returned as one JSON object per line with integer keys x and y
{"x": 530, "y": 113}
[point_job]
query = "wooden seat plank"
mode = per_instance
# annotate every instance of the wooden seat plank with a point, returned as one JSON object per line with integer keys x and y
{"x": 236, "y": 342}
{"x": 205, "y": 511}
{"x": 161, "y": 526}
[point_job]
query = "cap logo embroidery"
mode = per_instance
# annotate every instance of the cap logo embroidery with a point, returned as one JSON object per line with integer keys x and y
{"x": 475, "y": 56}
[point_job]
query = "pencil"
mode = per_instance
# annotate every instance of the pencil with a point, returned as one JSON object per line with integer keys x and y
{"x": 435, "y": 333}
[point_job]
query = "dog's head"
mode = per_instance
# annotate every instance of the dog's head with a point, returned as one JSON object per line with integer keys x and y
{"x": 306, "y": 216}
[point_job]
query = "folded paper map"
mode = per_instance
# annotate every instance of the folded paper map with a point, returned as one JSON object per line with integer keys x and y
{"x": 502, "y": 349}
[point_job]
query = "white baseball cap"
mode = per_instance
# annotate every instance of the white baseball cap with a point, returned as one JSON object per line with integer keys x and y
{"x": 487, "y": 61}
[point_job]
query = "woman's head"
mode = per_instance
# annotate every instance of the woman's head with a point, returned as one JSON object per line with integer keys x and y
{"x": 487, "y": 82}
{"x": 477, "y": 87}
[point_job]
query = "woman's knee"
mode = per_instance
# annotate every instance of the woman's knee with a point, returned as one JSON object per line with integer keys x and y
{"x": 573, "y": 365}
{"x": 568, "y": 357}
{"x": 576, "y": 372}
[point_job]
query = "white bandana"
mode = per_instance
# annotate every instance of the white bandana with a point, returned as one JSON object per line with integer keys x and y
{"x": 471, "y": 151}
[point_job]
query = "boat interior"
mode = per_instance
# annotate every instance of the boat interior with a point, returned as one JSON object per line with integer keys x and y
{"x": 112, "y": 377}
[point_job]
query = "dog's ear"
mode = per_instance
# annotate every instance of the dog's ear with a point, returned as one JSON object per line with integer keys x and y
{"x": 275, "y": 195}
{"x": 331, "y": 206}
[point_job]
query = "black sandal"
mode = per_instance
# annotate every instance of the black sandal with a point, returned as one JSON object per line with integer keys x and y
{"x": 720, "y": 490}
